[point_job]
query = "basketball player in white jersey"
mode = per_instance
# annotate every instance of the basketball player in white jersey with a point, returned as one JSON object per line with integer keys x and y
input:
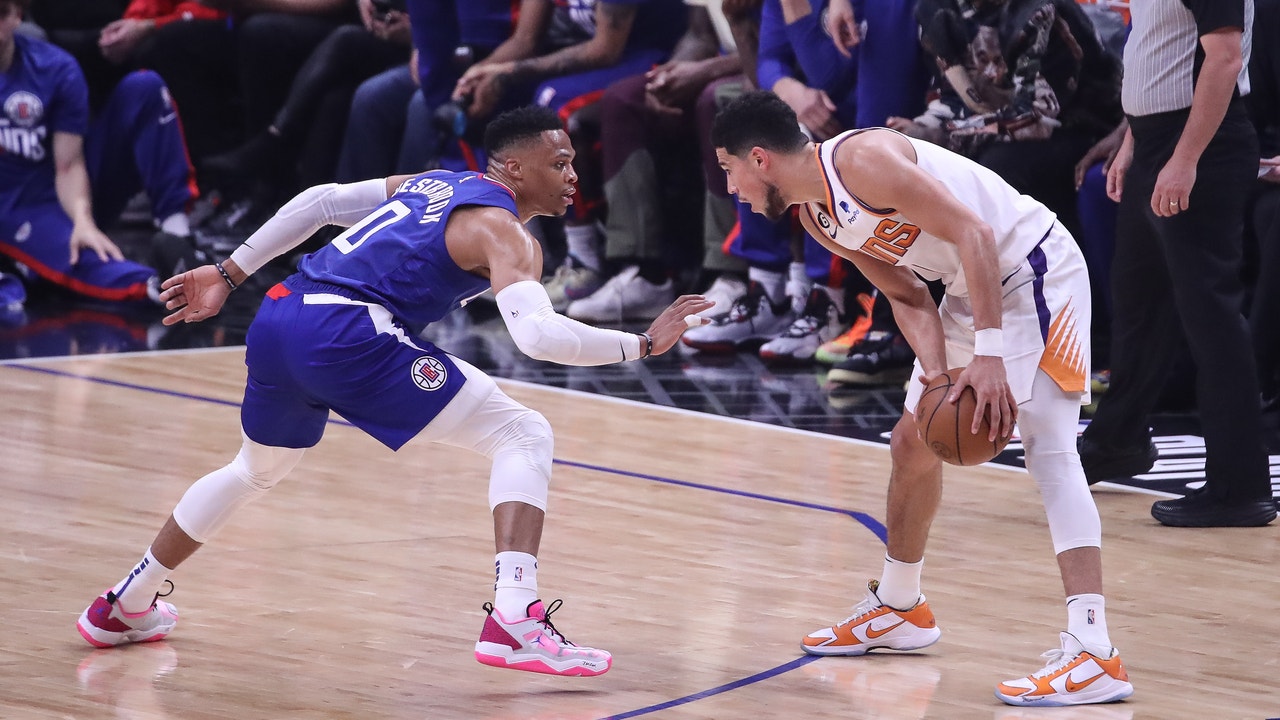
{"x": 1016, "y": 313}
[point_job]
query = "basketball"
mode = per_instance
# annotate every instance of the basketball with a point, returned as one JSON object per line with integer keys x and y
{"x": 945, "y": 426}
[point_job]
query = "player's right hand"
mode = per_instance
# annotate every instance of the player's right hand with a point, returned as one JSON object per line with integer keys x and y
{"x": 671, "y": 324}
{"x": 194, "y": 295}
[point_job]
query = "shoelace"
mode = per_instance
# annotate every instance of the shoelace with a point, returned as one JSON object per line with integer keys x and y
{"x": 546, "y": 622}
{"x": 112, "y": 598}
{"x": 1055, "y": 660}
{"x": 745, "y": 306}
{"x": 862, "y": 609}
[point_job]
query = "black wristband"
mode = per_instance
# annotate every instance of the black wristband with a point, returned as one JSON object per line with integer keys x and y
{"x": 647, "y": 350}
{"x": 223, "y": 272}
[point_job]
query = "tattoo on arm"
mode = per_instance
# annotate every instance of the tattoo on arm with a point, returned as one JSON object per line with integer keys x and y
{"x": 613, "y": 25}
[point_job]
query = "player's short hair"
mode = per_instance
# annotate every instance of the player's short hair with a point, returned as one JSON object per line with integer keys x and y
{"x": 518, "y": 125}
{"x": 757, "y": 119}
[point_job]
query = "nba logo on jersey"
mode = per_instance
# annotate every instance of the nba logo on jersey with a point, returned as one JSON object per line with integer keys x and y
{"x": 429, "y": 373}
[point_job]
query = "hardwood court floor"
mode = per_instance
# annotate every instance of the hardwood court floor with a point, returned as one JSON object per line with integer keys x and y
{"x": 697, "y": 549}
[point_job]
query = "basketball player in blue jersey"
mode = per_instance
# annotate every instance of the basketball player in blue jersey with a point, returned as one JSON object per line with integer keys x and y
{"x": 1015, "y": 315}
{"x": 342, "y": 334}
{"x": 62, "y": 176}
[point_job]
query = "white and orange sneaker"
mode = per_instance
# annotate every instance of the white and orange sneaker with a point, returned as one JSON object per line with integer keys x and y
{"x": 1073, "y": 676}
{"x": 105, "y": 623}
{"x": 875, "y": 625}
{"x": 533, "y": 644}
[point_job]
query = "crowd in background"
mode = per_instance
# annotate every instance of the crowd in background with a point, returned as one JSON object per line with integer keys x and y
{"x": 220, "y": 110}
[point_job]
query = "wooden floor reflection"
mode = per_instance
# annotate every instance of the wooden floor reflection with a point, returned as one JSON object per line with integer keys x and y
{"x": 697, "y": 549}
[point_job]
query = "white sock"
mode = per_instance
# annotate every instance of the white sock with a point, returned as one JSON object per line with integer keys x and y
{"x": 774, "y": 283}
{"x": 837, "y": 298}
{"x": 176, "y": 224}
{"x": 798, "y": 286}
{"x": 138, "y": 589}
{"x": 900, "y": 584}
{"x": 516, "y": 584}
{"x": 1087, "y": 620}
{"x": 584, "y": 244}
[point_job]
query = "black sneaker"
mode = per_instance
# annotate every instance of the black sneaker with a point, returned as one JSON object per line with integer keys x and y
{"x": 881, "y": 358}
{"x": 173, "y": 254}
{"x": 1102, "y": 462}
{"x": 1199, "y": 510}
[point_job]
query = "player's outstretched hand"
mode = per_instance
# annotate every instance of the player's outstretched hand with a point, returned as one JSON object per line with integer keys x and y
{"x": 673, "y": 321}
{"x": 194, "y": 295}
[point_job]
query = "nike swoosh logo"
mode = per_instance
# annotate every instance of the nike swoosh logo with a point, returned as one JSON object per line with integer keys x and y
{"x": 1072, "y": 686}
{"x": 872, "y": 633}
{"x": 166, "y": 119}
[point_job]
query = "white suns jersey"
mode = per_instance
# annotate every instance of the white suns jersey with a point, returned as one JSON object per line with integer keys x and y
{"x": 1019, "y": 221}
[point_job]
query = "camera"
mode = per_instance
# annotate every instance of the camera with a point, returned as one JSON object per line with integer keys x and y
{"x": 450, "y": 118}
{"x": 383, "y": 8}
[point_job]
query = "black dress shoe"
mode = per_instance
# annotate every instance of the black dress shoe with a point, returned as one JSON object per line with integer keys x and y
{"x": 1200, "y": 510}
{"x": 1103, "y": 462}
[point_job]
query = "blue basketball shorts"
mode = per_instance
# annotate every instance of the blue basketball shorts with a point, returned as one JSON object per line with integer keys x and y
{"x": 309, "y": 353}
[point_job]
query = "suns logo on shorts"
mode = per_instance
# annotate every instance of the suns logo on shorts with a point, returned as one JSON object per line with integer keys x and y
{"x": 429, "y": 373}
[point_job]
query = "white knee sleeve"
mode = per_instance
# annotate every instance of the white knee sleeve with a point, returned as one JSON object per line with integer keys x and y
{"x": 483, "y": 419}
{"x": 522, "y": 461}
{"x": 1047, "y": 424}
{"x": 210, "y": 502}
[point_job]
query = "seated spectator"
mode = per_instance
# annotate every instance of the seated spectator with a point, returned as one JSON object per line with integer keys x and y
{"x": 392, "y": 128}
{"x": 231, "y": 76}
{"x": 316, "y": 108}
{"x": 649, "y": 123}
{"x": 1027, "y": 90}
{"x": 563, "y": 57}
{"x": 61, "y": 176}
{"x": 75, "y": 26}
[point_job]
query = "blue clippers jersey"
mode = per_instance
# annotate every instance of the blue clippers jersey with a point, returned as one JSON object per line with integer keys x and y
{"x": 41, "y": 93}
{"x": 396, "y": 256}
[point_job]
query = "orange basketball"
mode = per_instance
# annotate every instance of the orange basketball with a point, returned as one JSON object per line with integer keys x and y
{"x": 945, "y": 426}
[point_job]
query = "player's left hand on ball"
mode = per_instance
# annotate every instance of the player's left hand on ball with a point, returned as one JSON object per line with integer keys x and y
{"x": 671, "y": 324}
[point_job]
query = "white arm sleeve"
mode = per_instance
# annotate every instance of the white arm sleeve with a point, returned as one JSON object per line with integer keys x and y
{"x": 543, "y": 334}
{"x": 310, "y": 210}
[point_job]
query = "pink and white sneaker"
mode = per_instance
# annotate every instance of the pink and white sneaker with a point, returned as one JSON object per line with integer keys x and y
{"x": 106, "y": 624}
{"x": 533, "y": 644}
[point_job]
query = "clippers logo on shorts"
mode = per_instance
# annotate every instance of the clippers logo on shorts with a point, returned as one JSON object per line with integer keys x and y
{"x": 429, "y": 373}
{"x": 21, "y": 131}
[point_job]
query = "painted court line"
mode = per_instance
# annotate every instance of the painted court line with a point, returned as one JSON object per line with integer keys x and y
{"x": 875, "y": 526}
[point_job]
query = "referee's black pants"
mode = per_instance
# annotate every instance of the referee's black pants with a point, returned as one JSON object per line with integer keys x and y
{"x": 1181, "y": 274}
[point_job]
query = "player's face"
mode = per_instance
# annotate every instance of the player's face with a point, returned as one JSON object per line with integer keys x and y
{"x": 747, "y": 179}
{"x": 550, "y": 173}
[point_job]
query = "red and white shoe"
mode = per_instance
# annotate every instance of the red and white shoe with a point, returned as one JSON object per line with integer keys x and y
{"x": 533, "y": 644}
{"x": 106, "y": 624}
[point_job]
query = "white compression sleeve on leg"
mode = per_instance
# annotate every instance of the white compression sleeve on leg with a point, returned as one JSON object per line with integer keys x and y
{"x": 308, "y": 211}
{"x": 1048, "y": 424}
{"x": 543, "y": 334}
{"x": 210, "y": 502}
